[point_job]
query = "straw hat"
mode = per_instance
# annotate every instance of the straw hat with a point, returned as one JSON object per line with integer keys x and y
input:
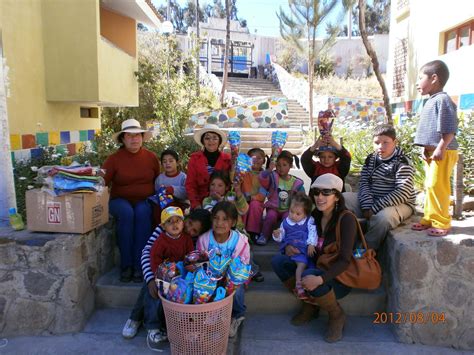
{"x": 210, "y": 128}
{"x": 132, "y": 126}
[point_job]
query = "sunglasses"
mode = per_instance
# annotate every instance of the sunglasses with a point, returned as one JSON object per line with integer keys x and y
{"x": 325, "y": 192}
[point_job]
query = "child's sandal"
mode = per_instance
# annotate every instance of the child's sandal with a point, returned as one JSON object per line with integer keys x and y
{"x": 419, "y": 227}
{"x": 300, "y": 292}
{"x": 437, "y": 232}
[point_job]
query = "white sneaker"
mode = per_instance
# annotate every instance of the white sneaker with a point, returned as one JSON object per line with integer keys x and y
{"x": 155, "y": 336}
{"x": 234, "y": 326}
{"x": 130, "y": 329}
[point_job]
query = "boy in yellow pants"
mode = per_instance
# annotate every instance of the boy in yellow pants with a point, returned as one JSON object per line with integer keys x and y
{"x": 436, "y": 134}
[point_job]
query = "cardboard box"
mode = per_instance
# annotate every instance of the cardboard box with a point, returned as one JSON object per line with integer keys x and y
{"x": 72, "y": 213}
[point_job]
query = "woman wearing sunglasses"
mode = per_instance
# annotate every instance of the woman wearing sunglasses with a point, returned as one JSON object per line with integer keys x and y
{"x": 321, "y": 285}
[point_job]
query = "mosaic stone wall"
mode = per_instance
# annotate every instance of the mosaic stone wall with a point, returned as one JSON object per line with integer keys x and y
{"x": 27, "y": 146}
{"x": 271, "y": 112}
{"x": 364, "y": 109}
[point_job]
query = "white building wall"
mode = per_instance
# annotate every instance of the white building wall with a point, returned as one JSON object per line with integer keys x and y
{"x": 424, "y": 23}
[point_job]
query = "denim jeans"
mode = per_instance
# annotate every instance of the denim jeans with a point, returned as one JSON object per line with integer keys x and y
{"x": 154, "y": 313}
{"x": 285, "y": 268}
{"x": 133, "y": 226}
{"x": 138, "y": 310}
{"x": 238, "y": 304}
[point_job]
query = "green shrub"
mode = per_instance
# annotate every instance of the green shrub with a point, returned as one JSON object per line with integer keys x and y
{"x": 357, "y": 138}
{"x": 465, "y": 138}
{"x": 324, "y": 67}
{"x": 24, "y": 174}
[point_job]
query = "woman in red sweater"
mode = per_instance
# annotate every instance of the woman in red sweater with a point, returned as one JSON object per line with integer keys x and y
{"x": 203, "y": 163}
{"x": 131, "y": 171}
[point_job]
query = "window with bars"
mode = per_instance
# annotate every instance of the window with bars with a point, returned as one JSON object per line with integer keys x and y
{"x": 458, "y": 37}
{"x": 400, "y": 68}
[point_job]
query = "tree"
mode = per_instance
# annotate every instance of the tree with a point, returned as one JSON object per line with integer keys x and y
{"x": 301, "y": 23}
{"x": 373, "y": 56}
{"x": 167, "y": 88}
{"x": 377, "y": 17}
{"x": 228, "y": 6}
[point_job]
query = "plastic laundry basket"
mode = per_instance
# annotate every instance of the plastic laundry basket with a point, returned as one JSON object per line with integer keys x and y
{"x": 198, "y": 329}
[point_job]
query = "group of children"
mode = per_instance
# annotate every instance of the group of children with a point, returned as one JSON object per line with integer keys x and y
{"x": 386, "y": 196}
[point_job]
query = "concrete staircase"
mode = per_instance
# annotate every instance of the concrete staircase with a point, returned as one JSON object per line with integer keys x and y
{"x": 298, "y": 117}
{"x": 252, "y": 88}
{"x": 267, "y": 327}
{"x": 262, "y": 138}
{"x": 268, "y": 297}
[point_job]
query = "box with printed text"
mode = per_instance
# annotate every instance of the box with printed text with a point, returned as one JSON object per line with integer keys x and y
{"x": 71, "y": 213}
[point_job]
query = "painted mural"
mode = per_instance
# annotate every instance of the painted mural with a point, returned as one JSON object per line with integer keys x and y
{"x": 353, "y": 109}
{"x": 271, "y": 112}
{"x": 403, "y": 111}
{"x": 27, "y": 146}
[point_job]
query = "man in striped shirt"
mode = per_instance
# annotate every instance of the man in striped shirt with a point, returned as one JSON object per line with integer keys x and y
{"x": 386, "y": 194}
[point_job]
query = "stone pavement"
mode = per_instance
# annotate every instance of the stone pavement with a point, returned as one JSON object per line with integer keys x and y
{"x": 269, "y": 334}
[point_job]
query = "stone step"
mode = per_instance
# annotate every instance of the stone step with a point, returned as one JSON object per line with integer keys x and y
{"x": 267, "y": 136}
{"x": 255, "y": 88}
{"x": 112, "y": 293}
{"x": 271, "y": 297}
{"x": 274, "y": 334}
{"x": 258, "y": 143}
{"x": 268, "y": 297}
{"x": 253, "y": 85}
{"x": 237, "y": 78}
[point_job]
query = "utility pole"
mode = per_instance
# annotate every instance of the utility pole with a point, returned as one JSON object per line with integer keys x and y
{"x": 7, "y": 184}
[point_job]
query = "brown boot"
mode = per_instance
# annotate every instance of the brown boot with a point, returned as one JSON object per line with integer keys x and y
{"x": 290, "y": 283}
{"x": 305, "y": 315}
{"x": 336, "y": 314}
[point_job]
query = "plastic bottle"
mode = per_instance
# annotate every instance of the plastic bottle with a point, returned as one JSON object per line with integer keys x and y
{"x": 16, "y": 220}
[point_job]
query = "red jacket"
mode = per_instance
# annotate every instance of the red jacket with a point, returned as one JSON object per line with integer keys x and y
{"x": 197, "y": 179}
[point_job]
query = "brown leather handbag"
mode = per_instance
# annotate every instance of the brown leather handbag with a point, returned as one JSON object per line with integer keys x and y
{"x": 363, "y": 272}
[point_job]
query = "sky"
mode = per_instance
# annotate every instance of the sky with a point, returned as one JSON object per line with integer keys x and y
{"x": 260, "y": 14}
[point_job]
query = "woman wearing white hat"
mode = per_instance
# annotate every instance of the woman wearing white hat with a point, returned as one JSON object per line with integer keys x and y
{"x": 321, "y": 286}
{"x": 131, "y": 172}
{"x": 202, "y": 163}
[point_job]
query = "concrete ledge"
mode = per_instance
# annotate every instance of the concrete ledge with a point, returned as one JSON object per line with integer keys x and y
{"x": 48, "y": 280}
{"x": 428, "y": 277}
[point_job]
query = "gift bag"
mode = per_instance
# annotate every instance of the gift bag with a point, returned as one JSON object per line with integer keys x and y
{"x": 234, "y": 143}
{"x": 243, "y": 165}
{"x": 325, "y": 122}
{"x": 278, "y": 142}
{"x": 204, "y": 286}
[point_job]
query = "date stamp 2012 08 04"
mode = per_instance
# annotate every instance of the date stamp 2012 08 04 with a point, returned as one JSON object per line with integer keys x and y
{"x": 409, "y": 317}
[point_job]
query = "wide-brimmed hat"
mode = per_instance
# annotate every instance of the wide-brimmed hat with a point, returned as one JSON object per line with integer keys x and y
{"x": 132, "y": 126}
{"x": 210, "y": 128}
{"x": 328, "y": 181}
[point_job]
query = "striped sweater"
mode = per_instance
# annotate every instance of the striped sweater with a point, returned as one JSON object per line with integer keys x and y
{"x": 146, "y": 252}
{"x": 389, "y": 183}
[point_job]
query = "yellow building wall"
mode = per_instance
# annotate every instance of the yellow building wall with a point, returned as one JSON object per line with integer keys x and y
{"x": 23, "y": 43}
{"x": 70, "y": 39}
{"x": 120, "y": 30}
{"x": 117, "y": 82}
